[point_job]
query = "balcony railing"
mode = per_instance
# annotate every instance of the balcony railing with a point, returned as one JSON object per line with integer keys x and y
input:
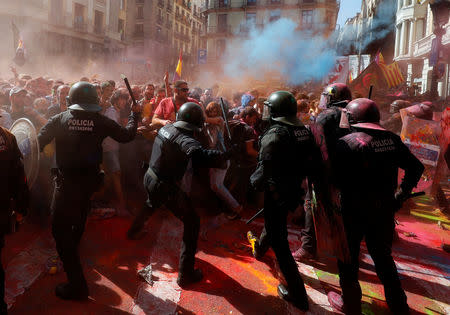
{"x": 169, "y": 24}
{"x": 217, "y": 4}
{"x": 99, "y": 30}
{"x": 423, "y": 46}
{"x": 217, "y": 30}
{"x": 138, "y": 34}
{"x": 169, "y": 7}
{"x": 161, "y": 4}
{"x": 274, "y": 2}
{"x": 80, "y": 25}
{"x": 140, "y": 1}
{"x": 246, "y": 28}
{"x": 159, "y": 20}
{"x": 251, "y": 3}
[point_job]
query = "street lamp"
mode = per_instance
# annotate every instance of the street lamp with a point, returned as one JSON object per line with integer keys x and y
{"x": 440, "y": 10}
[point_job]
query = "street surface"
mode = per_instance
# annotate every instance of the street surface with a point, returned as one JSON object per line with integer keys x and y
{"x": 234, "y": 282}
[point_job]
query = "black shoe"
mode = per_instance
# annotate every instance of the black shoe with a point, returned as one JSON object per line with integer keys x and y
{"x": 299, "y": 302}
{"x": 187, "y": 279}
{"x": 66, "y": 291}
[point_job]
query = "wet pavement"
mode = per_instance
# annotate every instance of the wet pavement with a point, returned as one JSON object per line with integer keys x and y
{"x": 234, "y": 282}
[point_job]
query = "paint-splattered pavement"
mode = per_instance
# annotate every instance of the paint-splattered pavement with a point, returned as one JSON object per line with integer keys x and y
{"x": 234, "y": 282}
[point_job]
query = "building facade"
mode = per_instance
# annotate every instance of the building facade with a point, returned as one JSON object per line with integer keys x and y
{"x": 78, "y": 30}
{"x": 413, "y": 46}
{"x": 227, "y": 19}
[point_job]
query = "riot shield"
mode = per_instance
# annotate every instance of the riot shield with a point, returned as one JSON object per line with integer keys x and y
{"x": 27, "y": 141}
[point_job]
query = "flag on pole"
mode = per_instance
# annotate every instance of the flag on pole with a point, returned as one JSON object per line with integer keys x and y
{"x": 177, "y": 74}
{"x": 391, "y": 73}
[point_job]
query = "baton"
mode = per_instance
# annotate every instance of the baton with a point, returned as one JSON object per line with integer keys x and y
{"x": 129, "y": 88}
{"x": 370, "y": 92}
{"x": 255, "y": 216}
{"x": 226, "y": 120}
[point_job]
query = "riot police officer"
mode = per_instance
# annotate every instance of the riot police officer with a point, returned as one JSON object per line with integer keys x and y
{"x": 369, "y": 160}
{"x": 327, "y": 131}
{"x": 287, "y": 156}
{"x": 394, "y": 122}
{"x": 13, "y": 186}
{"x": 78, "y": 133}
{"x": 174, "y": 150}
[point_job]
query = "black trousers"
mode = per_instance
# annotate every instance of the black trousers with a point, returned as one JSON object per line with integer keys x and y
{"x": 71, "y": 205}
{"x": 161, "y": 193}
{"x": 275, "y": 235}
{"x": 377, "y": 228}
{"x": 308, "y": 234}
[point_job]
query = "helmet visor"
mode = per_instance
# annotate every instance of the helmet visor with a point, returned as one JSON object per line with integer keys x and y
{"x": 266, "y": 112}
{"x": 324, "y": 99}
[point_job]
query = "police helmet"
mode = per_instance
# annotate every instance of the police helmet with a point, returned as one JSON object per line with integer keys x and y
{"x": 283, "y": 108}
{"x": 336, "y": 94}
{"x": 83, "y": 96}
{"x": 190, "y": 117}
{"x": 363, "y": 113}
{"x": 397, "y": 105}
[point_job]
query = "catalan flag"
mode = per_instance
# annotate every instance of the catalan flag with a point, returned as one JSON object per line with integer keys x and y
{"x": 177, "y": 74}
{"x": 391, "y": 73}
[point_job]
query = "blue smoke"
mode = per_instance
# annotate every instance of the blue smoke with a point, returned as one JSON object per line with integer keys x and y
{"x": 280, "y": 49}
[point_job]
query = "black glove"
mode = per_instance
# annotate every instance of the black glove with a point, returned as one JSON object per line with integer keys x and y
{"x": 400, "y": 197}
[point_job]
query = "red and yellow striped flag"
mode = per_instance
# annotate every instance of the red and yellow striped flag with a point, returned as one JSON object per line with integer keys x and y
{"x": 392, "y": 72}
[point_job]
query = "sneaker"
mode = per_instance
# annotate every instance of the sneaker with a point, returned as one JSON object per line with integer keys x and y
{"x": 253, "y": 240}
{"x": 187, "y": 279}
{"x": 66, "y": 291}
{"x": 302, "y": 255}
{"x": 300, "y": 303}
{"x": 336, "y": 301}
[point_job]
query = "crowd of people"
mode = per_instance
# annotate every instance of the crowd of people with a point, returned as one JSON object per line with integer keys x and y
{"x": 248, "y": 141}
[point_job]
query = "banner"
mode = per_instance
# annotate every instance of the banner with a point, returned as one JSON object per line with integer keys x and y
{"x": 340, "y": 72}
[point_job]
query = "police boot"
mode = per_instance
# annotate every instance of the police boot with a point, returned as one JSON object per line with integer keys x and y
{"x": 185, "y": 279}
{"x": 67, "y": 291}
{"x": 300, "y": 302}
{"x": 337, "y": 303}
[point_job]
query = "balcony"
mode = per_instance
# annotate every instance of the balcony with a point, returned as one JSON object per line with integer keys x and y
{"x": 161, "y": 4}
{"x": 274, "y": 2}
{"x": 217, "y": 4}
{"x": 306, "y": 2}
{"x": 169, "y": 7}
{"x": 169, "y": 24}
{"x": 185, "y": 4}
{"x": 138, "y": 34}
{"x": 159, "y": 20}
{"x": 217, "y": 30}
{"x": 99, "y": 30}
{"x": 140, "y": 1}
{"x": 79, "y": 24}
{"x": 251, "y": 3}
{"x": 423, "y": 46}
{"x": 245, "y": 29}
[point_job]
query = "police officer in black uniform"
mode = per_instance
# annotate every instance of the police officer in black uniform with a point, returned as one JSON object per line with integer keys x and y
{"x": 369, "y": 160}
{"x": 287, "y": 156}
{"x": 174, "y": 146}
{"x": 334, "y": 98}
{"x": 13, "y": 187}
{"x": 78, "y": 133}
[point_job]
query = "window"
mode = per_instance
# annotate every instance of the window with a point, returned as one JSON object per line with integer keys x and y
{"x": 140, "y": 12}
{"x": 250, "y": 19}
{"x": 122, "y": 4}
{"x": 79, "y": 16}
{"x": 222, "y": 22}
{"x": 274, "y": 15}
{"x": 120, "y": 26}
{"x": 220, "y": 48}
{"x": 251, "y": 2}
{"x": 307, "y": 19}
{"x": 98, "y": 22}
{"x": 139, "y": 28}
{"x": 223, "y": 3}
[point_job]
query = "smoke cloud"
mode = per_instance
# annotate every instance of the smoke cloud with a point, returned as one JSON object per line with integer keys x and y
{"x": 279, "y": 51}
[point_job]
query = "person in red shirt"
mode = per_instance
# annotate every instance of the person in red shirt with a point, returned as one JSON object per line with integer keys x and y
{"x": 165, "y": 113}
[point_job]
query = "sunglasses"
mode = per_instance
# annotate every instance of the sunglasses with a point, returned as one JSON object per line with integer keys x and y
{"x": 184, "y": 90}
